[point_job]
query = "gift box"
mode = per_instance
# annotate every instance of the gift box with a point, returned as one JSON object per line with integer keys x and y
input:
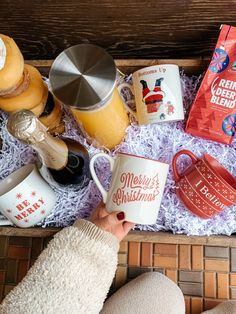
{"x": 157, "y": 141}
{"x": 141, "y": 250}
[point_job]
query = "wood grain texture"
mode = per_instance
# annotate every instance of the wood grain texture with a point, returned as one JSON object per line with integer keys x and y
{"x": 200, "y": 287}
{"x": 127, "y": 66}
{"x": 127, "y": 29}
{"x": 133, "y": 236}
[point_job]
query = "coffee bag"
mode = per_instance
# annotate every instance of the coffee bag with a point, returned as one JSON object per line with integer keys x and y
{"x": 213, "y": 113}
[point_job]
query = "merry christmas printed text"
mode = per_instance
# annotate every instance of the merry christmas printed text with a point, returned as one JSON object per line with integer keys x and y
{"x": 25, "y": 208}
{"x": 223, "y": 93}
{"x": 136, "y": 188}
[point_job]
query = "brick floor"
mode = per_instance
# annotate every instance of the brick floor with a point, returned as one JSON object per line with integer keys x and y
{"x": 206, "y": 274}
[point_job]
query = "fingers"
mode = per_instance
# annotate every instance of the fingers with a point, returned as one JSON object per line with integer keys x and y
{"x": 127, "y": 226}
{"x": 102, "y": 211}
{"x": 98, "y": 212}
{"x": 115, "y": 218}
{"x": 110, "y": 223}
{"x": 114, "y": 223}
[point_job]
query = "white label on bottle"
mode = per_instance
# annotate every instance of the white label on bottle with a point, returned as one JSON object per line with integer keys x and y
{"x": 53, "y": 152}
{"x": 3, "y": 54}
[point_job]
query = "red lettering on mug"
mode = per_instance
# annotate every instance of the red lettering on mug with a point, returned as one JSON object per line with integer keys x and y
{"x": 136, "y": 188}
{"x": 20, "y": 206}
{"x": 130, "y": 180}
{"x": 36, "y": 205}
{"x": 41, "y": 200}
{"x": 18, "y": 217}
{"x": 30, "y": 210}
{"x": 24, "y": 214}
{"x": 25, "y": 203}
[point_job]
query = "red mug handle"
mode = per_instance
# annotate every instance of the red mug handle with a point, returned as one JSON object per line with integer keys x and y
{"x": 194, "y": 159}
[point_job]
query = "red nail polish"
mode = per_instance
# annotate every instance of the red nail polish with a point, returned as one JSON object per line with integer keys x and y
{"x": 120, "y": 216}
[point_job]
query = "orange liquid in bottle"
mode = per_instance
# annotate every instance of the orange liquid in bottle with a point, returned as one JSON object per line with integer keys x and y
{"x": 107, "y": 124}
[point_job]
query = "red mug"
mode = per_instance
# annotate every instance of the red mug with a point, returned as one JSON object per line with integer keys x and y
{"x": 206, "y": 187}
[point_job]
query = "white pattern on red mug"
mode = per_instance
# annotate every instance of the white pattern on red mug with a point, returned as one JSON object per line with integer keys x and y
{"x": 206, "y": 188}
{"x": 136, "y": 187}
{"x": 25, "y": 197}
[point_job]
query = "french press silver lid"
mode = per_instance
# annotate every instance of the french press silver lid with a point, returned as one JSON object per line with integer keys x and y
{"x": 83, "y": 76}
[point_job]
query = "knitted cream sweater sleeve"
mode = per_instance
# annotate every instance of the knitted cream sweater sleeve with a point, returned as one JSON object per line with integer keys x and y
{"x": 71, "y": 276}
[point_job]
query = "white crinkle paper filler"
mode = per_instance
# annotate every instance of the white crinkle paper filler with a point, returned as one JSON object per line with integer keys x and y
{"x": 158, "y": 141}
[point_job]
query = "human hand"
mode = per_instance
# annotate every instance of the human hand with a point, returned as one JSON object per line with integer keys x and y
{"x": 114, "y": 222}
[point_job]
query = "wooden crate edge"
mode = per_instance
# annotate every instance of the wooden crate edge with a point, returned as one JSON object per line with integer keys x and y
{"x": 133, "y": 236}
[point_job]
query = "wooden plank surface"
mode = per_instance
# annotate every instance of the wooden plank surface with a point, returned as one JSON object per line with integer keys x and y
{"x": 133, "y": 236}
{"x": 127, "y": 29}
{"x": 190, "y": 66}
{"x": 207, "y": 276}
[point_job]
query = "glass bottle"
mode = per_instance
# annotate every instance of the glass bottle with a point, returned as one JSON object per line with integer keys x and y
{"x": 66, "y": 161}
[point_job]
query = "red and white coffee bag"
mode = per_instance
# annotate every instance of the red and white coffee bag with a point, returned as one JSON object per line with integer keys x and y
{"x": 213, "y": 113}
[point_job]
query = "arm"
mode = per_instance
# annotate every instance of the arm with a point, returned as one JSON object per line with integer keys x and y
{"x": 72, "y": 275}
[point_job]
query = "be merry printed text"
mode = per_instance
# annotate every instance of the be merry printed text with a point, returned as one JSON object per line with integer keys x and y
{"x": 25, "y": 208}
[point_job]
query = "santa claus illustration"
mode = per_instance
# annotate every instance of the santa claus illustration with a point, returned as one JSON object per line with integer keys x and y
{"x": 153, "y": 99}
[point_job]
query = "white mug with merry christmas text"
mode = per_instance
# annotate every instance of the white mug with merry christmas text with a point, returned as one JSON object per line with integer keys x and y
{"x": 136, "y": 187}
{"x": 158, "y": 95}
{"x": 25, "y": 197}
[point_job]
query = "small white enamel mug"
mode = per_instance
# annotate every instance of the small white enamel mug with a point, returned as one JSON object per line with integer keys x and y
{"x": 136, "y": 187}
{"x": 158, "y": 95}
{"x": 25, "y": 197}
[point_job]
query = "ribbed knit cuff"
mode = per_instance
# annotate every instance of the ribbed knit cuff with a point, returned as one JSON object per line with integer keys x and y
{"x": 93, "y": 232}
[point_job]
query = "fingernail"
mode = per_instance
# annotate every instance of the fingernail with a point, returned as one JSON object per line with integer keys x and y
{"x": 120, "y": 216}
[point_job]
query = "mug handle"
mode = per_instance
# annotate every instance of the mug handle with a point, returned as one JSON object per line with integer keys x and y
{"x": 94, "y": 175}
{"x": 119, "y": 87}
{"x": 194, "y": 159}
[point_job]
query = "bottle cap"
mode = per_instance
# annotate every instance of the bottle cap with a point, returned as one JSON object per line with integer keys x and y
{"x": 25, "y": 126}
{"x": 83, "y": 76}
